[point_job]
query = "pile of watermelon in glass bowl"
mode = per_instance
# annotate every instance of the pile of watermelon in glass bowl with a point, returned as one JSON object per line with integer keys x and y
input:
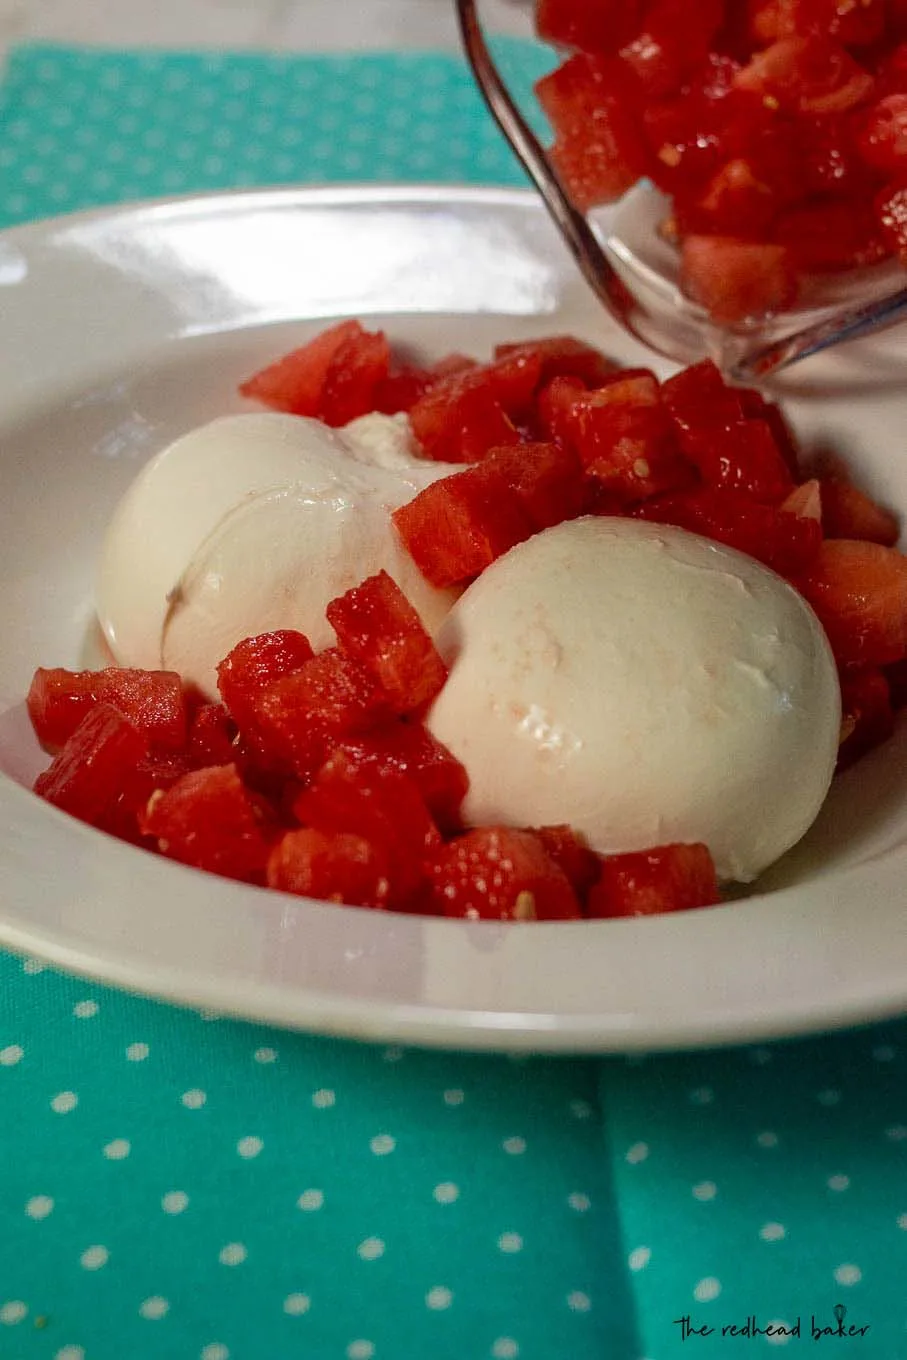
{"x": 772, "y": 136}
{"x": 345, "y": 772}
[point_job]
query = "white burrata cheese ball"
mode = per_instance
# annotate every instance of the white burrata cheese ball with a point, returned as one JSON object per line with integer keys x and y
{"x": 644, "y": 685}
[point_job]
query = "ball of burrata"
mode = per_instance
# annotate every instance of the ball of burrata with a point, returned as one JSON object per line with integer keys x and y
{"x": 644, "y": 685}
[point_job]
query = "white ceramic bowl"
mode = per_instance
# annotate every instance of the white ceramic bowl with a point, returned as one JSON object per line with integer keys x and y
{"x": 121, "y": 329}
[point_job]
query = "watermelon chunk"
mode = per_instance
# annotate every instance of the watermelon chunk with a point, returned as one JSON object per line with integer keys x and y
{"x": 602, "y": 26}
{"x": 827, "y": 237}
{"x": 569, "y": 851}
{"x": 562, "y": 356}
{"x": 883, "y": 140}
{"x": 648, "y": 882}
{"x": 807, "y": 74}
{"x": 93, "y": 774}
{"x": 152, "y": 701}
{"x": 672, "y": 43}
{"x": 459, "y": 525}
{"x": 357, "y": 369}
{"x": 546, "y": 480}
{"x": 890, "y": 211}
{"x": 335, "y": 377}
{"x": 408, "y": 748}
{"x": 847, "y": 512}
{"x": 335, "y": 867}
{"x": 855, "y": 25}
{"x": 737, "y": 281}
{"x": 212, "y": 737}
{"x": 736, "y": 202}
{"x": 595, "y": 106}
{"x": 867, "y": 716}
{"x": 302, "y": 715}
{"x": 294, "y": 382}
{"x": 784, "y": 541}
{"x": 209, "y": 820}
{"x": 472, "y": 410}
{"x": 254, "y": 663}
{"x": 377, "y": 626}
{"x": 859, "y": 592}
{"x": 499, "y": 874}
{"x": 730, "y": 449}
{"x": 384, "y": 807}
{"x": 623, "y": 434}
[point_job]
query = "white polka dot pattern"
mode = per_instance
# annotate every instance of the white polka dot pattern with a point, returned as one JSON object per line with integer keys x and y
{"x": 208, "y": 1190}
{"x": 90, "y": 135}
{"x": 796, "y": 1154}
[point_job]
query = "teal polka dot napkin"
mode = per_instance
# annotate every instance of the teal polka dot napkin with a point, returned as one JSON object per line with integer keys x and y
{"x": 178, "y": 1187}
{"x": 82, "y": 127}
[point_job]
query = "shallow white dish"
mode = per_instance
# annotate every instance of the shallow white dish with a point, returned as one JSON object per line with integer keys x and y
{"x": 124, "y": 327}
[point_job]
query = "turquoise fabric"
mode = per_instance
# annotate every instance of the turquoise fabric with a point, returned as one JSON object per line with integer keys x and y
{"x": 179, "y": 1187}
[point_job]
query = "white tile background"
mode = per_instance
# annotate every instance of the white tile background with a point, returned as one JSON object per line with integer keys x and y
{"x": 291, "y": 25}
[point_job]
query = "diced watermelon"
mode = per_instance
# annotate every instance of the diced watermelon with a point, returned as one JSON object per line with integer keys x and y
{"x": 691, "y": 137}
{"x": 499, "y": 874}
{"x": 672, "y": 43}
{"x": 256, "y": 662}
{"x": 859, "y": 592}
{"x": 847, "y": 512}
{"x": 335, "y": 377}
{"x": 209, "y": 820}
{"x": 854, "y": 25}
{"x": 294, "y": 382}
{"x": 883, "y": 140}
{"x": 335, "y": 866}
{"x": 648, "y": 882}
{"x": 402, "y": 389}
{"x": 300, "y": 716}
{"x": 624, "y": 436}
{"x": 737, "y": 281}
{"x": 594, "y": 105}
{"x": 867, "y": 717}
{"x": 730, "y": 449}
{"x": 828, "y": 159}
{"x": 698, "y": 395}
{"x": 94, "y": 771}
{"x": 406, "y": 383}
{"x": 686, "y": 151}
{"x": 383, "y": 806}
{"x": 784, "y": 541}
{"x": 600, "y": 26}
{"x": 754, "y": 406}
{"x": 464, "y": 415}
{"x": 546, "y": 479}
{"x": 459, "y": 525}
{"x": 570, "y": 852}
{"x": 563, "y": 356}
{"x": 153, "y": 701}
{"x": 807, "y": 74}
{"x": 357, "y": 368}
{"x": 555, "y": 405}
{"x": 827, "y": 237}
{"x": 212, "y": 737}
{"x": 408, "y": 748}
{"x": 735, "y": 202}
{"x": 377, "y": 626}
{"x": 890, "y": 212}
{"x": 599, "y": 168}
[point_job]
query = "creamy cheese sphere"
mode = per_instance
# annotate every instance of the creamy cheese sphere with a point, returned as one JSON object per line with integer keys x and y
{"x": 252, "y": 523}
{"x": 644, "y": 685}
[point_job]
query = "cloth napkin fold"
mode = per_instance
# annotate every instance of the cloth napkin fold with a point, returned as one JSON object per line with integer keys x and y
{"x": 174, "y": 1185}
